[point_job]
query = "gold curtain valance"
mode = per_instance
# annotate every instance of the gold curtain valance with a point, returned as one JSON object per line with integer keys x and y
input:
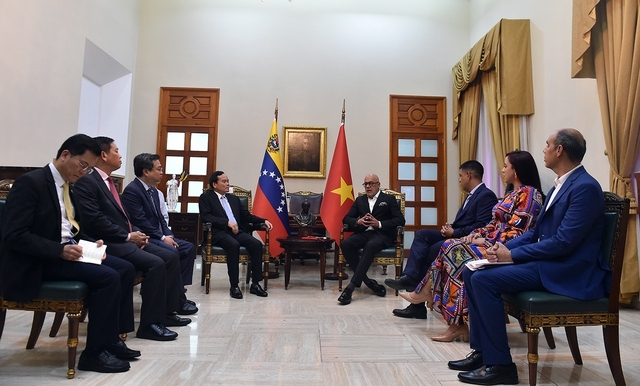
{"x": 507, "y": 49}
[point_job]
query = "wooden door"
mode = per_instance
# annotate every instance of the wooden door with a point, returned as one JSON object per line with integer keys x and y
{"x": 418, "y": 160}
{"x": 187, "y": 140}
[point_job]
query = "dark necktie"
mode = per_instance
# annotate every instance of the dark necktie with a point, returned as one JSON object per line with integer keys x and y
{"x": 150, "y": 193}
{"x": 116, "y": 196}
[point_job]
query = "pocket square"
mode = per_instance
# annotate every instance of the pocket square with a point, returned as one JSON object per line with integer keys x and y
{"x": 383, "y": 203}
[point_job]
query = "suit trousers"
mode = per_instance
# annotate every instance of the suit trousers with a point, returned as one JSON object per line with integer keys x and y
{"x": 127, "y": 273}
{"x": 231, "y": 244}
{"x": 105, "y": 294}
{"x": 187, "y": 254}
{"x": 424, "y": 250}
{"x": 371, "y": 243}
{"x": 484, "y": 288}
{"x": 160, "y": 289}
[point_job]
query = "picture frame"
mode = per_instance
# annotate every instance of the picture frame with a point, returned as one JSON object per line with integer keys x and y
{"x": 305, "y": 152}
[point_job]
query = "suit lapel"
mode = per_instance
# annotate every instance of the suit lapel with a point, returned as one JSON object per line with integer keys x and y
{"x": 53, "y": 194}
{"x": 107, "y": 192}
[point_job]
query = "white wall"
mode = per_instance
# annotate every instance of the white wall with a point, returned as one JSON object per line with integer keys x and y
{"x": 42, "y": 45}
{"x": 560, "y": 101}
{"x": 311, "y": 55}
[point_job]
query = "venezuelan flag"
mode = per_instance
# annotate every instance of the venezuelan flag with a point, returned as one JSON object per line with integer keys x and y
{"x": 271, "y": 196}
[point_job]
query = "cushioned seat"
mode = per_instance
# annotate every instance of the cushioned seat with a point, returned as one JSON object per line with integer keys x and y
{"x": 393, "y": 255}
{"x": 214, "y": 254}
{"x": 537, "y": 310}
{"x": 54, "y": 296}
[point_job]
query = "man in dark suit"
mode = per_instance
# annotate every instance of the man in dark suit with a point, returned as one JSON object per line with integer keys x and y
{"x": 561, "y": 254}
{"x": 39, "y": 244}
{"x": 141, "y": 201}
{"x": 474, "y": 213}
{"x": 105, "y": 218}
{"x": 374, "y": 218}
{"x": 228, "y": 218}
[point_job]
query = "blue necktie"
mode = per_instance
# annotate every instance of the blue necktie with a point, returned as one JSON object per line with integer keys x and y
{"x": 227, "y": 209}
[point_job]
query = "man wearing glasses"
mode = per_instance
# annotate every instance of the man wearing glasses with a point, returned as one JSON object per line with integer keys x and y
{"x": 40, "y": 231}
{"x": 373, "y": 217}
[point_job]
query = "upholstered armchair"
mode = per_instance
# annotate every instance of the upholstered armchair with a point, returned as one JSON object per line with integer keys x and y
{"x": 54, "y": 296}
{"x": 393, "y": 255}
{"x": 214, "y": 254}
{"x": 537, "y": 310}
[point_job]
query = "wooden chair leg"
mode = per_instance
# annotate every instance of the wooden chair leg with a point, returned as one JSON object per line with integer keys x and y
{"x": 532, "y": 356}
{"x": 57, "y": 321}
{"x": 384, "y": 269}
{"x": 612, "y": 347}
{"x": 72, "y": 342}
{"x": 572, "y": 339}
{"x": 36, "y": 327}
{"x": 248, "y": 273}
{"x": 3, "y": 317}
{"x": 202, "y": 273}
{"x": 265, "y": 273}
{"x": 523, "y": 327}
{"x": 548, "y": 335}
{"x": 207, "y": 276}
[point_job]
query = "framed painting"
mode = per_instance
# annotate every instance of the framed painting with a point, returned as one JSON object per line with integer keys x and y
{"x": 305, "y": 152}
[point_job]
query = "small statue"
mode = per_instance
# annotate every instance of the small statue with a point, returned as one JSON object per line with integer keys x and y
{"x": 172, "y": 193}
{"x": 304, "y": 218}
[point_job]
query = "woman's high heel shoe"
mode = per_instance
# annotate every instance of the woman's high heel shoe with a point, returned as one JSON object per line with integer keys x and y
{"x": 462, "y": 332}
{"x": 425, "y": 295}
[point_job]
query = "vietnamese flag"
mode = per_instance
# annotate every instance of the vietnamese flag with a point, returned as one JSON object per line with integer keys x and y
{"x": 338, "y": 193}
{"x": 271, "y": 197}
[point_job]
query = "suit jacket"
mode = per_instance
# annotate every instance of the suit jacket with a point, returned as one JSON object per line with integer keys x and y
{"x": 211, "y": 210}
{"x": 385, "y": 210}
{"x": 566, "y": 240}
{"x": 101, "y": 216}
{"x": 477, "y": 212}
{"x": 137, "y": 203}
{"x": 31, "y": 232}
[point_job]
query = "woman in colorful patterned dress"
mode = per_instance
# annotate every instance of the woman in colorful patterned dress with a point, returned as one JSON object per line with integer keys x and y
{"x": 514, "y": 215}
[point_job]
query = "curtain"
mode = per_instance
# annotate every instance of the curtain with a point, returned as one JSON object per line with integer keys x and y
{"x": 607, "y": 44}
{"x": 499, "y": 66}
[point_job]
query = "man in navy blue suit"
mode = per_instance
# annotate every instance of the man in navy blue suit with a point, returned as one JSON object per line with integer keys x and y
{"x": 561, "y": 254}
{"x": 141, "y": 201}
{"x": 474, "y": 213}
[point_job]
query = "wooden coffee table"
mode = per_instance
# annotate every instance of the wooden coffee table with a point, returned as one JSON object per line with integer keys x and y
{"x": 299, "y": 244}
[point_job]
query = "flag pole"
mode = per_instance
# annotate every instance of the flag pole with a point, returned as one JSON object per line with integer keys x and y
{"x": 275, "y": 113}
{"x": 335, "y": 275}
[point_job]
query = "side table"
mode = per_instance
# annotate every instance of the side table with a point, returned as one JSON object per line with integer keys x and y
{"x": 299, "y": 244}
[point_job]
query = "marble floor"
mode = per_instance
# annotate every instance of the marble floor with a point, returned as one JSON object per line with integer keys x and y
{"x": 301, "y": 336}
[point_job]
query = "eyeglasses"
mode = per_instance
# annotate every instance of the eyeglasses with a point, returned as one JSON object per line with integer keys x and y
{"x": 84, "y": 168}
{"x": 369, "y": 183}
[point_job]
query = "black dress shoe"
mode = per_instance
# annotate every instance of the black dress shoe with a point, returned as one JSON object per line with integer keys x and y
{"x": 472, "y": 362}
{"x": 156, "y": 332}
{"x": 418, "y": 311}
{"x": 257, "y": 290}
{"x": 235, "y": 292}
{"x": 183, "y": 298}
{"x": 345, "y": 296}
{"x": 186, "y": 308}
{"x": 377, "y": 289}
{"x": 121, "y": 351}
{"x": 405, "y": 282}
{"x": 491, "y": 375}
{"x": 101, "y": 361}
{"x": 173, "y": 320}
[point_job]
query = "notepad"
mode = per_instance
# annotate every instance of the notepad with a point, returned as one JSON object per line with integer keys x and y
{"x": 484, "y": 263}
{"x": 91, "y": 252}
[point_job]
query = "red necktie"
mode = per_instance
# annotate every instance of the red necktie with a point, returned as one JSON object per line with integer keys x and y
{"x": 116, "y": 196}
